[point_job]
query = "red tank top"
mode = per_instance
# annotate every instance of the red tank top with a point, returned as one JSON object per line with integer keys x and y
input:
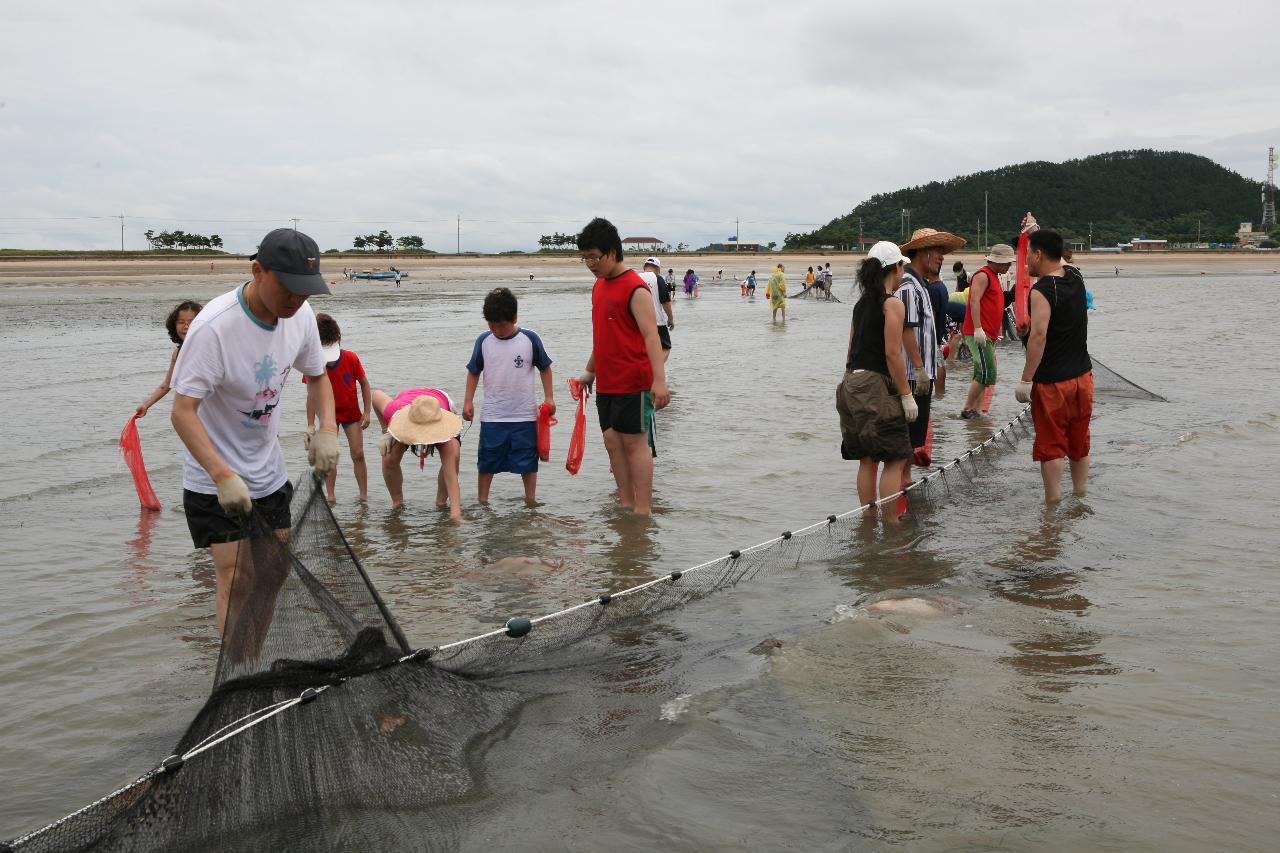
{"x": 992, "y": 308}
{"x": 622, "y": 362}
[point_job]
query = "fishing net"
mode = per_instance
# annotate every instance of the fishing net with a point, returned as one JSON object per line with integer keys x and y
{"x": 1108, "y": 383}
{"x": 325, "y": 730}
{"x": 322, "y": 731}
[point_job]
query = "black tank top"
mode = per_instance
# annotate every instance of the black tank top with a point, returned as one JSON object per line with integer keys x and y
{"x": 867, "y": 350}
{"x": 1066, "y": 346}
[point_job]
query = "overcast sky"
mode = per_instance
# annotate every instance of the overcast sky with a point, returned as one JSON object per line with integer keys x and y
{"x": 525, "y": 118}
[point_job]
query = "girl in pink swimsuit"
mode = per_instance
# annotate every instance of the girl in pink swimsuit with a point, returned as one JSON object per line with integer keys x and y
{"x": 445, "y": 423}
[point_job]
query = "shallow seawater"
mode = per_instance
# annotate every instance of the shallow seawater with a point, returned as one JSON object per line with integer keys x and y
{"x": 1105, "y": 674}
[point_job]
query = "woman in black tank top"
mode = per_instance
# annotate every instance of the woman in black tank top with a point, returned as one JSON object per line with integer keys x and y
{"x": 874, "y": 398}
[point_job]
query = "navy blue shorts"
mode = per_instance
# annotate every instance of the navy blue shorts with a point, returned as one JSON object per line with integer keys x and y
{"x": 508, "y": 447}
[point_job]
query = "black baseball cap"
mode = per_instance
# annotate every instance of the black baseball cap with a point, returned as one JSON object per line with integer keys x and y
{"x": 295, "y": 259}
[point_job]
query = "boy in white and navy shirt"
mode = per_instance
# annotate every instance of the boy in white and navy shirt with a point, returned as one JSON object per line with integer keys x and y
{"x": 507, "y": 355}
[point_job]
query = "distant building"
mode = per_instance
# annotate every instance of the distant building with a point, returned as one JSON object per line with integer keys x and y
{"x": 643, "y": 244}
{"x": 1144, "y": 244}
{"x": 1246, "y": 236}
{"x": 734, "y": 247}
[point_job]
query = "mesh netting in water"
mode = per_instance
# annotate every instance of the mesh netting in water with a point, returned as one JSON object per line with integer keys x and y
{"x": 325, "y": 731}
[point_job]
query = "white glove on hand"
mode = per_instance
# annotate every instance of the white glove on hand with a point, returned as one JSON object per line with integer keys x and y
{"x": 306, "y": 438}
{"x": 323, "y": 452}
{"x": 1023, "y": 392}
{"x": 979, "y": 336}
{"x": 909, "y": 408}
{"x": 671, "y": 325}
{"x": 587, "y": 380}
{"x": 923, "y": 384}
{"x": 384, "y": 444}
{"x": 233, "y": 495}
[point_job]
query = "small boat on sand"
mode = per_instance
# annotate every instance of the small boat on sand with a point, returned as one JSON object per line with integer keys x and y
{"x": 381, "y": 274}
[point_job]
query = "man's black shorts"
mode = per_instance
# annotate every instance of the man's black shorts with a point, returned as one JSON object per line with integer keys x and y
{"x": 665, "y": 336}
{"x": 210, "y": 525}
{"x": 626, "y": 413}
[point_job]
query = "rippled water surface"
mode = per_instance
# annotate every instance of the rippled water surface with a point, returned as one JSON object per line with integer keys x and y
{"x": 1106, "y": 674}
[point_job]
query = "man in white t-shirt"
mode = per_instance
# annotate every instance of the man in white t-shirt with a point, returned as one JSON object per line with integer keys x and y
{"x": 229, "y": 377}
{"x": 661, "y": 288}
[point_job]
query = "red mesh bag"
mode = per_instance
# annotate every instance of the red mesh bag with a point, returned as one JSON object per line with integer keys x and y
{"x": 131, "y": 447}
{"x": 1022, "y": 284}
{"x": 545, "y": 422}
{"x": 578, "y": 441}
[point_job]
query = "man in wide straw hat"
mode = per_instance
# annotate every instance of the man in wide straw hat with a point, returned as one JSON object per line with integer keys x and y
{"x": 925, "y": 252}
{"x": 982, "y": 323}
{"x": 421, "y": 420}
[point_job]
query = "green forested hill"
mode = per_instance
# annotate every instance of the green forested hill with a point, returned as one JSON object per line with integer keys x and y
{"x": 1124, "y": 194}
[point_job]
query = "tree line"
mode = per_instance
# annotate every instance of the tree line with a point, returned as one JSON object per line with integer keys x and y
{"x": 558, "y": 241}
{"x": 180, "y": 240}
{"x": 1104, "y": 199}
{"x": 382, "y": 241}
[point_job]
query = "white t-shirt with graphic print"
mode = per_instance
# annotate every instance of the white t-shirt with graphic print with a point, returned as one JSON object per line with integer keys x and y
{"x": 238, "y": 367}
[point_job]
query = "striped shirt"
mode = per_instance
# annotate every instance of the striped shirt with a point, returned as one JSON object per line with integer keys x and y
{"x": 918, "y": 321}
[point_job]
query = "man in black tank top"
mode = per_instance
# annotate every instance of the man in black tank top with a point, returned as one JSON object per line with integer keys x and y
{"x": 1057, "y": 379}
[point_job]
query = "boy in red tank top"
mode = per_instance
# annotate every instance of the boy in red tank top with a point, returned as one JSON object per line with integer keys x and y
{"x": 626, "y": 363}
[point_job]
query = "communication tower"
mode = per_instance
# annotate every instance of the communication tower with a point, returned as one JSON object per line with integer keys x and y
{"x": 1269, "y": 193}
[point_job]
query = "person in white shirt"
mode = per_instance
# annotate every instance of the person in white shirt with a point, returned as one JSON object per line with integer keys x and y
{"x": 661, "y": 288}
{"x": 229, "y": 378}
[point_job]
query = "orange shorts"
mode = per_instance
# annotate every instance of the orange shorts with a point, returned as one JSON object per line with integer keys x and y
{"x": 1061, "y": 412}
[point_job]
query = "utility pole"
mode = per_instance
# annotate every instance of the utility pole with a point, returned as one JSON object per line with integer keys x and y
{"x": 860, "y": 241}
{"x": 1197, "y": 233}
{"x": 121, "y": 217}
{"x": 737, "y": 238}
{"x": 979, "y": 235}
{"x": 459, "y": 249}
{"x": 295, "y": 223}
{"x": 986, "y": 221}
{"x": 1091, "y": 234}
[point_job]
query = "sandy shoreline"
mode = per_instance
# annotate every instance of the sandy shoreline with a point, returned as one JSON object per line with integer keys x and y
{"x": 18, "y": 271}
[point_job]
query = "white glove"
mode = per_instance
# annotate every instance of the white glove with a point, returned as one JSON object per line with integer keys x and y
{"x": 923, "y": 384}
{"x": 306, "y": 438}
{"x": 979, "y": 337}
{"x": 909, "y": 408}
{"x": 233, "y": 495}
{"x": 323, "y": 452}
{"x": 1029, "y": 224}
{"x": 587, "y": 380}
{"x": 384, "y": 444}
{"x": 671, "y": 325}
{"x": 1023, "y": 392}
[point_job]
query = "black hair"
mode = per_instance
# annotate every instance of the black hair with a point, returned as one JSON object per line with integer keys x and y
{"x": 871, "y": 276}
{"x": 957, "y": 266}
{"x": 819, "y": 267}
{"x": 500, "y": 306}
{"x": 171, "y": 322}
{"x": 1047, "y": 242}
{"x": 911, "y": 253}
{"x": 601, "y": 235}
{"x": 329, "y": 331}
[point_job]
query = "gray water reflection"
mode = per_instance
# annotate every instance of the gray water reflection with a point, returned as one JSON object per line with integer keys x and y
{"x": 1109, "y": 680}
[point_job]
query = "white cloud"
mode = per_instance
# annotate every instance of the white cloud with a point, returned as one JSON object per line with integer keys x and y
{"x": 672, "y": 118}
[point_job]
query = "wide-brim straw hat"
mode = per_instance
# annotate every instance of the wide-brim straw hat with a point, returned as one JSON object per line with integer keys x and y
{"x": 424, "y": 422}
{"x": 1001, "y": 253}
{"x": 927, "y": 238}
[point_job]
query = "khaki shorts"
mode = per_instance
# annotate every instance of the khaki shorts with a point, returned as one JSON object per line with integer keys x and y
{"x": 872, "y": 423}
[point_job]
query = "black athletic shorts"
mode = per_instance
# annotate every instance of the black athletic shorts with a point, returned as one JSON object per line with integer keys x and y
{"x": 919, "y": 428}
{"x": 664, "y": 335}
{"x": 209, "y": 524}
{"x": 626, "y": 413}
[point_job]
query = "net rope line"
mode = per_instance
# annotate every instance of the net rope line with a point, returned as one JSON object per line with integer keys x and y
{"x": 258, "y": 716}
